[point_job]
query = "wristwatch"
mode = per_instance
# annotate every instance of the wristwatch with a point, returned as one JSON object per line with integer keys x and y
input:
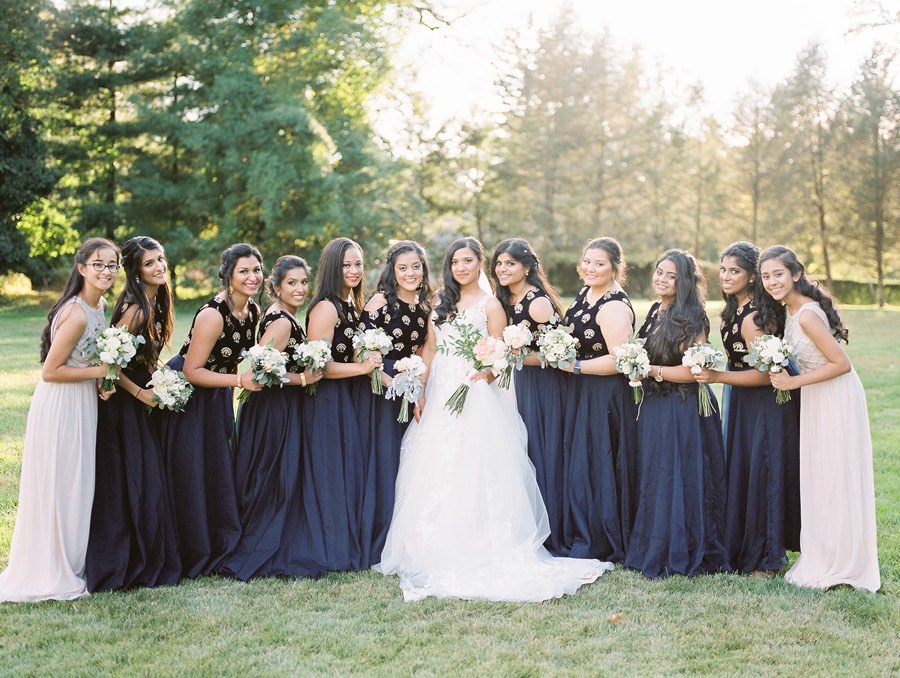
{"x": 659, "y": 371}
{"x": 577, "y": 368}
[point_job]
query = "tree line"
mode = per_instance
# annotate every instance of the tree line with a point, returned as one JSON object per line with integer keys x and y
{"x": 203, "y": 124}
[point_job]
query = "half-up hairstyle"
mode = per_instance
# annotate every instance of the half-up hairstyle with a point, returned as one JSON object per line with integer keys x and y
{"x": 685, "y": 319}
{"x": 154, "y": 314}
{"x": 614, "y": 251}
{"x": 448, "y": 295}
{"x": 747, "y": 255}
{"x": 806, "y": 287}
{"x": 330, "y": 278}
{"x": 74, "y": 284}
{"x": 520, "y": 250}
{"x": 387, "y": 283}
{"x": 282, "y": 265}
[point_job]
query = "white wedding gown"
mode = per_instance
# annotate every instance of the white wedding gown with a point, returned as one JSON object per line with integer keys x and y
{"x": 469, "y": 521}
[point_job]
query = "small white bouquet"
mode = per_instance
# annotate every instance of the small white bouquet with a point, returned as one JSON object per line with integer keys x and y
{"x": 699, "y": 357}
{"x": 632, "y": 361}
{"x": 116, "y": 346}
{"x": 517, "y": 339}
{"x": 407, "y": 385}
{"x": 171, "y": 389}
{"x": 268, "y": 366}
{"x": 313, "y": 355}
{"x": 772, "y": 354}
{"x": 557, "y": 347}
{"x": 481, "y": 351}
{"x": 366, "y": 342}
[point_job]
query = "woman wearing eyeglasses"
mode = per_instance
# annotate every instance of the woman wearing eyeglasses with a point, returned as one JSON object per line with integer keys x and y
{"x": 56, "y": 488}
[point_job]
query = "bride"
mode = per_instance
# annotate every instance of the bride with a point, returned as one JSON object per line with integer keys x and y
{"x": 469, "y": 521}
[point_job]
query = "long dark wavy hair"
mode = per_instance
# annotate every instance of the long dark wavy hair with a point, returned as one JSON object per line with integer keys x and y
{"x": 614, "y": 251}
{"x": 282, "y": 265}
{"x": 520, "y": 250}
{"x": 747, "y": 255}
{"x": 387, "y": 283}
{"x": 448, "y": 295}
{"x": 330, "y": 278}
{"x": 808, "y": 288}
{"x": 685, "y": 319}
{"x": 74, "y": 284}
{"x": 154, "y": 314}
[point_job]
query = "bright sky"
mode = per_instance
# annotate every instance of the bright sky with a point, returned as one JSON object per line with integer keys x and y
{"x": 722, "y": 43}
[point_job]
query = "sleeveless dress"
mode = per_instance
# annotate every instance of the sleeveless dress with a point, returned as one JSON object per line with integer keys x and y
{"x": 600, "y": 443}
{"x": 680, "y": 509}
{"x": 837, "y": 489}
{"x": 468, "y": 520}
{"x": 197, "y": 450}
{"x": 133, "y": 538}
{"x": 267, "y": 476}
{"x": 333, "y": 456}
{"x": 407, "y": 325}
{"x": 540, "y": 397}
{"x": 762, "y": 452}
{"x": 56, "y": 487}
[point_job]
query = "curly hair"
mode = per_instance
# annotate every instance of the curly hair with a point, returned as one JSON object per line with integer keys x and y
{"x": 520, "y": 250}
{"x": 806, "y": 287}
{"x": 387, "y": 283}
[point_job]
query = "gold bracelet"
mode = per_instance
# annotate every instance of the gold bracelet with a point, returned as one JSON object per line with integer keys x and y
{"x": 302, "y": 379}
{"x": 238, "y": 375}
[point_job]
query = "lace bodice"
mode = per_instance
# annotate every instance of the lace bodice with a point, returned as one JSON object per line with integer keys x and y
{"x": 475, "y": 315}
{"x": 86, "y": 346}
{"x": 808, "y": 356}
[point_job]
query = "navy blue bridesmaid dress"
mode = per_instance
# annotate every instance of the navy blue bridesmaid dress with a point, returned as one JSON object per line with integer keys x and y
{"x": 762, "y": 451}
{"x": 133, "y": 537}
{"x": 540, "y": 396}
{"x": 600, "y": 440}
{"x": 198, "y": 455}
{"x": 407, "y": 325}
{"x": 680, "y": 504}
{"x": 333, "y": 455}
{"x": 267, "y": 477}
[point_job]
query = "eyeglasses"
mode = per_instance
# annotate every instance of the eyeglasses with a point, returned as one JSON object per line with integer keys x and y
{"x": 99, "y": 266}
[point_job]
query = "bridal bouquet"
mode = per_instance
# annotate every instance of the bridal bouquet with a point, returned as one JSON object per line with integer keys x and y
{"x": 313, "y": 355}
{"x": 116, "y": 346}
{"x": 771, "y": 354}
{"x": 370, "y": 341}
{"x": 557, "y": 347}
{"x": 517, "y": 339}
{"x": 407, "y": 384}
{"x": 170, "y": 389}
{"x": 483, "y": 352}
{"x": 632, "y": 361}
{"x": 699, "y": 357}
{"x": 268, "y": 366}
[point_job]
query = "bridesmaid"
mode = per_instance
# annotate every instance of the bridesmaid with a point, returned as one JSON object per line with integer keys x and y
{"x": 600, "y": 430}
{"x": 197, "y": 442}
{"x": 527, "y": 297}
{"x": 267, "y": 458}
{"x": 56, "y": 488}
{"x": 334, "y": 420}
{"x": 680, "y": 509}
{"x": 837, "y": 489}
{"x": 762, "y": 439}
{"x": 401, "y": 307}
{"x": 132, "y": 540}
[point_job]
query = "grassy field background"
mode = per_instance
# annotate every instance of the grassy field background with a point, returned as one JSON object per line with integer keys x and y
{"x": 357, "y": 623}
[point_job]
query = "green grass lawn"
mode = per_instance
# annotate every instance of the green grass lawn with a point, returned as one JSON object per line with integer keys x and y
{"x": 357, "y": 623}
